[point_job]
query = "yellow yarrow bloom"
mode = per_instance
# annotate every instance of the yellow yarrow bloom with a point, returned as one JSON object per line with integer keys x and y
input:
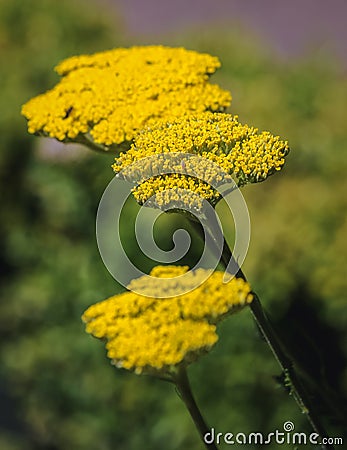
{"x": 239, "y": 151}
{"x": 107, "y": 97}
{"x": 154, "y": 335}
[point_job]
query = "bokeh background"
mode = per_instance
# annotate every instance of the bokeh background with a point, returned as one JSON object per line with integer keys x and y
{"x": 285, "y": 64}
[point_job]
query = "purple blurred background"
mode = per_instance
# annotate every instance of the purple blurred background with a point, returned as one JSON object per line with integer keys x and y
{"x": 290, "y": 28}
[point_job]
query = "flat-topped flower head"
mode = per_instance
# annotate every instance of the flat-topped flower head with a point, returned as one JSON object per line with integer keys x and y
{"x": 154, "y": 335}
{"x": 237, "y": 151}
{"x": 104, "y": 99}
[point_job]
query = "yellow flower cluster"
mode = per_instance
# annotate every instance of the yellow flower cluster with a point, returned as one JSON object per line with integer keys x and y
{"x": 237, "y": 150}
{"x": 107, "y": 97}
{"x": 153, "y": 335}
{"x": 175, "y": 191}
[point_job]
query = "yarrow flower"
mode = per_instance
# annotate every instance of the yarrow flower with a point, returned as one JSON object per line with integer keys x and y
{"x": 238, "y": 151}
{"x": 104, "y": 99}
{"x": 149, "y": 334}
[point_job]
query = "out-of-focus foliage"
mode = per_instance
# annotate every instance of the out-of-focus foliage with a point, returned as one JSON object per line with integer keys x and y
{"x": 58, "y": 389}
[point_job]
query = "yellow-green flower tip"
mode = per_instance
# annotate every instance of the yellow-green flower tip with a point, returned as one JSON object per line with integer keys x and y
{"x": 108, "y": 97}
{"x": 238, "y": 150}
{"x": 154, "y": 335}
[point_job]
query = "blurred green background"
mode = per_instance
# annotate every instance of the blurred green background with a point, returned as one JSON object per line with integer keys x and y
{"x": 58, "y": 390}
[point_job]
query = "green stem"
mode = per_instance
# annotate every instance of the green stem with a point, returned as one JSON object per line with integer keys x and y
{"x": 87, "y": 140}
{"x": 294, "y": 383}
{"x": 183, "y": 388}
{"x": 84, "y": 139}
{"x": 291, "y": 379}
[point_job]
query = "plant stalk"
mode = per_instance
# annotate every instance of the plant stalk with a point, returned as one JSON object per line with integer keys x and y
{"x": 184, "y": 390}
